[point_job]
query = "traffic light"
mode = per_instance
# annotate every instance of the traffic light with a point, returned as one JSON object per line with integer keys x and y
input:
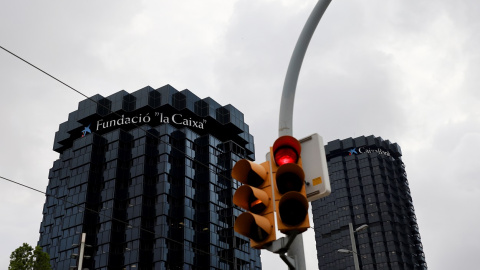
{"x": 289, "y": 185}
{"x": 255, "y": 196}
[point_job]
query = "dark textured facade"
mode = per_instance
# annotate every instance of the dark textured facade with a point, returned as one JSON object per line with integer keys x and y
{"x": 146, "y": 176}
{"x": 369, "y": 186}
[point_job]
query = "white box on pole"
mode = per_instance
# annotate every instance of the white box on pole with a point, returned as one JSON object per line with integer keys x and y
{"x": 314, "y": 163}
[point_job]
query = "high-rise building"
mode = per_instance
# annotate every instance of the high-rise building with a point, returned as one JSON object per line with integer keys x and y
{"x": 146, "y": 176}
{"x": 369, "y": 186}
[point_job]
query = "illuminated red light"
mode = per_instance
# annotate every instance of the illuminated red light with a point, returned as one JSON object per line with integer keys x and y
{"x": 285, "y": 155}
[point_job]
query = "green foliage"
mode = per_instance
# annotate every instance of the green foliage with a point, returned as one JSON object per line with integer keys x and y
{"x": 42, "y": 259}
{"x": 27, "y": 258}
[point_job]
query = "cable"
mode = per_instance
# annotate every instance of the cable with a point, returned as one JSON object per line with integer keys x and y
{"x": 44, "y": 72}
{"x": 115, "y": 113}
{"x": 141, "y": 128}
{"x": 114, "y": 219}
{"x": 34, "y": 189}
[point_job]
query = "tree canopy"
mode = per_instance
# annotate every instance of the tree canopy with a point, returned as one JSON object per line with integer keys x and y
{"x": 27, "y": 258}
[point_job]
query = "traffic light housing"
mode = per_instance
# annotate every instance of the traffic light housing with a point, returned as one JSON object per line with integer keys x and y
{"x": 289, "y": 185}
{"x": 255, "y": 196}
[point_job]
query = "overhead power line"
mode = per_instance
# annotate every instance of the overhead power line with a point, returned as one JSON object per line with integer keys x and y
{"x": 140, "y": 127}
{"x": 43, "y": 71}
{"x": 113, "y": 219}
{"x": 115, "y": 113}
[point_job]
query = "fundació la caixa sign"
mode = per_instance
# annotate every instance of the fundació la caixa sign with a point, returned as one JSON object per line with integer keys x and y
{"x": 157, "y": 118}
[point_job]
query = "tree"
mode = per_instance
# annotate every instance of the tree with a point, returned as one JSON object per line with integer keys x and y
{"x": 42, "y": 259}
{"x": 27, "y": 258}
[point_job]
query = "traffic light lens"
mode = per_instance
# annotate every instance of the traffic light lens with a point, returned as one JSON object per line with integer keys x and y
{"x": 256, "y": 233}
{"x": 285, "y": 155}
{"x": 254, "y": 179}
{"x": 260, "y": 229}
{"x": 257, "y": 206}
{"x": 249, "y": 173}
{"x": 292, "y": 212}
{"x": 289, "y": 181}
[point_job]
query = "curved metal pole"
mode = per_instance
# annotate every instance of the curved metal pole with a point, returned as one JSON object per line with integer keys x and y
{"x": 290, "y": 84}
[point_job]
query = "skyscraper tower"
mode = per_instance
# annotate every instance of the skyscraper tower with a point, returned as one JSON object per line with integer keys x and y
{"x": 146, "y": 176}
{"x": 369, "y": 186}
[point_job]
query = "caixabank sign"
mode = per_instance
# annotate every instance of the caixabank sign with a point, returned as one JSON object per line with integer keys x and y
{"x": 368, "y": 150}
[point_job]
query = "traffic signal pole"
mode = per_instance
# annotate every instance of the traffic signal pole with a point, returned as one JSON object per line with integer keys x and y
{"x": 294, "y": 243}
{"x": 282, "y": 246}
{"x": 290, "y": 83}
{"x": 297, "y": 252}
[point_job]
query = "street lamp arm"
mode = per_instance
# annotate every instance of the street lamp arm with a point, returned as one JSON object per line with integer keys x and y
{"x": 290, "y": 84}
{"x": 363, "y": 227}
{"x": 342, "y": 250}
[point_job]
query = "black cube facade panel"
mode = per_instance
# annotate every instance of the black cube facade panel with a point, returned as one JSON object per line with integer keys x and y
{"x": 146, "y": 176}
{"x": 369, "y": 186}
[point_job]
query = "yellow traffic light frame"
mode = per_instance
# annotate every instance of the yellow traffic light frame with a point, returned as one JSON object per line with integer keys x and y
{"x": 296, "y": 193}
{"x": 260, "y": 226}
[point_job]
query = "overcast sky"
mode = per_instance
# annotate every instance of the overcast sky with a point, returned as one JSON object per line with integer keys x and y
{"x": 401, "y": 70}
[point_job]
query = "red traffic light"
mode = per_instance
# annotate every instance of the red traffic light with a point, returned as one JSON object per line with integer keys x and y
{"x": 286, "y": 149}
{"x": 289, "y": 185}
{"x": 285, "y": 155}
